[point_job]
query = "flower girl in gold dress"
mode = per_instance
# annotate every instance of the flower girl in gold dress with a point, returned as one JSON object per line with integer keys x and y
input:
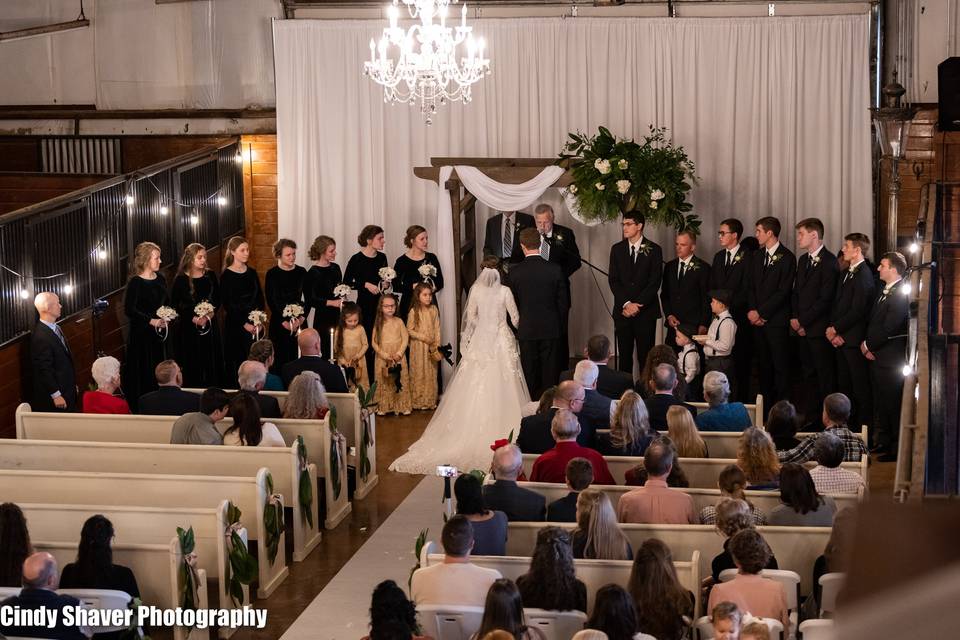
{"x": 423, "y": 325}
{"x": 350, "y": 346}
{"x": 390, "y": 341}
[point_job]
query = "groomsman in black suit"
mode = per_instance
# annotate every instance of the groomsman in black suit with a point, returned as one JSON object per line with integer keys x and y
{"x": 543, "y": 302}
{"x": 686, "y": 280}
{"x": 731, "y": 268}
{"x": 885, "y": 346}
{"x": 503, "y": 235}
{"x": 812, "y": 299}
{"x": 559, "y": 246}
{"x": 54, "y": 382}
{"x": 848, "y": 327}
{"x": 634, "y": 274}
{"x": 768, "y": 310}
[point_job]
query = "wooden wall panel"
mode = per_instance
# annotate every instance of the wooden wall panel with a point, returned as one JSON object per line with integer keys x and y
{"x": 19, "y": 190}
{"x": 260, "y": 196}
{"x": 142, "y": 151}
{"x": 916, "y": 169}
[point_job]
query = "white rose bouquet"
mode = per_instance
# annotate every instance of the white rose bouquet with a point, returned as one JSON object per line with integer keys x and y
{"x": 257, "y": 318}
{"x": 204, "y": 310}
{"x": 342, "y": 291}
{"x": 428, "y": 272}
{"x": 292, "y": 312}
{"x": 167, "y": 314}
{"x": 387, "y": 275}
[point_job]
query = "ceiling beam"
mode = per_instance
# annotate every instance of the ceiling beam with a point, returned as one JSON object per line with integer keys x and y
{"x": 47, "y": 29}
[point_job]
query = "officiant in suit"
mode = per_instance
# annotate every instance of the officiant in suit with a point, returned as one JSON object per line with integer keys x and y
{"x": 768, "y": 302}
{"x": 559, "y": 246}
{"x": 502, "y": 238}
{"x": 634, "y": 274}
{"x": 54, "y": 381}
{"x": 730, "y": 271}
{"x": 542, "y": 299}
{"x": 686, "y": 281}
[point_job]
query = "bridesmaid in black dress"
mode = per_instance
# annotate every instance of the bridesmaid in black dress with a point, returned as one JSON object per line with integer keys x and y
{"x": 146, "y": 293}
{"x": 363, "y": 274}
{"x": 407, "y": 267}
{"x": 284, "y": 285}
{"x": 318, "y": 287}
{"x": 199, "y": 349}
{"x": 241, "y": 293}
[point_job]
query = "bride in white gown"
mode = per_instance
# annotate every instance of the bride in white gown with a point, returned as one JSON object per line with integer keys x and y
{"x": 483, "y": 400}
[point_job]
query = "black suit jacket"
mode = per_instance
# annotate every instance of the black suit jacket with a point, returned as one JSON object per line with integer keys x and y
{"x": 520, "y": 505}
{"x": 168, "y": 401}
{"x": 564, "y": 251}
{"x": 770, "y": 287}
{"x": 657, "y": 406}
{"x": 734, "y": 278}
{"x": 269, "y": 406}
{"x": 330, "y": 374}
{"x": 534, "y": 435}
{"x": 563, "y": 509}
{"x": 594, "y": 415}
{"x": 540, "y": 292}
{"x": 52, "y": 366}
{"x": 610, "y": 382}
{"x": 813, "y": 292}
{"x": 35, "y": 599}
{"x": 687, "y": 299}
{"x": 851, "y": 304}
{"x": 888, "y": 327}
{"x": 635, "y": 282}
{"x": 493, "y": 239}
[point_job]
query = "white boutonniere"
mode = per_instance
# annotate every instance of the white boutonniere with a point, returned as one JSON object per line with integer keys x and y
{"x": 558, "y": 237}
{"x": 737, "y": 258}
{"x": 815, "y": 260}
{"x": 645, "y": 248}
{"x": 775, "y": 258}
{"x": 693, "y": 265}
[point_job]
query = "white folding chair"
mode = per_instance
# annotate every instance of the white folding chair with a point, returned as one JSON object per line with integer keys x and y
{"x": 449, "y": 622}
{"x": 100, "y": 599}
{"x": 791, "y": 585}
{"x": 830, "y": 585}
{"x": 817, "y": 630}
{"x": 555, "y": 625}
{"x": 704, "y": 628}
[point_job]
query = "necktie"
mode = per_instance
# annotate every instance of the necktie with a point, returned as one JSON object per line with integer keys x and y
{"x": 508, "y": 237}
{"x": 544, "y": 247}
{"x": 633, "y": 254}
{"x": 847, "y": 277}
{"x": 766, "y": 259}
{"x": 729, "y": 259}
{"x": 63, "y": 341}
{"x": 683, "y": 270}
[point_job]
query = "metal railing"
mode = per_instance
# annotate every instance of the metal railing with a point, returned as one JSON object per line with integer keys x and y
{"x": 78, "y": 245}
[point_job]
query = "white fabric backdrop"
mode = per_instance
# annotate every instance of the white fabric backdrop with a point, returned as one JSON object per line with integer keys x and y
{"x": 772, "y": 110}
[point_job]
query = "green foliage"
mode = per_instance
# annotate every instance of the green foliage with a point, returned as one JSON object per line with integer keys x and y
{"x": 272, "y": 523}
{"x": 306, "y": 486}
{"x": 133, "y": 632}
{"x": 613, "y": 176}
{"x": 366, "y": 402}
{"x": 417, "y": 548}
{"x": 186, "y": 577}
{"x": 242, "y": 567}
{"x": 335, "y": 454}
{"x": 478, "y": 474}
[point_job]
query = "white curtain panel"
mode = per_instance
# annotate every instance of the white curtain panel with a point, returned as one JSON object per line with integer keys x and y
{"x": 773, "y": 111}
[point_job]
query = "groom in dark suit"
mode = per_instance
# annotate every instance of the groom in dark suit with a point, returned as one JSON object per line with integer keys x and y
{"x": 54, "y": 383}
{"x": 503, "y": 235}
{"x": 541, "y": 295}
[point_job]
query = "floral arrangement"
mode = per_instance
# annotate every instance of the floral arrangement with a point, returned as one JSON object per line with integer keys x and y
{"x": 613, "y": 176}
{"x": 273, "y": 521}
{"x": 387, "y": 274}
{"x": 292, "y": 311}
{"x": 204, "y": 310}
{"x": 418, "y": 545}
{"x": 242, "y": 568}
{"x": 366, "y": 416}
{"x": 167, "y": 314}
{"x": 342, "y": 291}
{"x": 305, "y": 488}
{"x": 187, "y": 577}
{"x": 428, "y": 272}
{"x": 257, "y": 318}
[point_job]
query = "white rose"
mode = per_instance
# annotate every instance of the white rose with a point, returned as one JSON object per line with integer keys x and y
{"x": 657, "y": 195}
{"x": 573, "y": 188}
{"x": 623, "y": 164}
{"x": 653, "y": 204}
{"x": 600, "y": 186}
{"x": 623, "y": 186}
{"x": 603, "y": 166}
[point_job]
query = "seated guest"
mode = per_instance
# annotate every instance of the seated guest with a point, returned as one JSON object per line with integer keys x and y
{"x": 801, "y": 505}
{"x": 732, "y": 483}
{"x": 579, "y": 474}
{"x": 169, "y": 399}
{"x": 597, "y": 409}
{"x": 660, "y": 599}
{"x": 598, "y": 535}
{"x": 722, "y": 415}
{"x": 201, "y": 427}
{"x": 749, "y": 590}
{"x": 614, "y": 613}
{"x": 503, "y": 611}
{"x": 540, "y": 406}
{"x": 782, "y": 425}
{"x": 552, "y": 465}
{"x": 310, "y": 360}
{"x": 610, "y": 382}
{"x": 755, "y": 630}
{"x": 725, "y": 620}
{"x": 660, "y": 354}
{"x": 551, "y": 583}
{"x": 247, "y": 430}
{"x": 504, "y": 495}
{"x": 262, "y": 351}
{"x": 106, "y": 374}
{"x": 535, "y": 435}
{"x": 489, "y": 527}
{"x": 836, "y": 555}
{"x": 836, "y": 413}
{"x": 733, "y": 516}
{"x": 654, "y": 502}
{"x": 683, "y": 431}
{"x": 758, "y": 460}
{"x": 637, "y": 476}
{"x": 827, "y": 476}
{"x": 14, "y": 544}
{"x": 456, "y": 580}
{"x": 94, "y": 568}
{"x": 252, "y": 375}
{"x": 664, "y": 384}
{"x": 40, "y": 578}
{"x": 307, "y": 399}
{"x": 630, "y": 432}
{"x": 392, "y": 616}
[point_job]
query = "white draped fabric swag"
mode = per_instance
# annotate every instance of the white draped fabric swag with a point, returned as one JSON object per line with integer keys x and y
{"x": 773, "y": 111}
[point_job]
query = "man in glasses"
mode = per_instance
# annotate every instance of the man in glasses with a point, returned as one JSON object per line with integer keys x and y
{"x": 730, "y": 272}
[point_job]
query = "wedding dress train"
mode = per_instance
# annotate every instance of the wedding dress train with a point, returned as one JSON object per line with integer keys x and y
{"x": 483, "y": 400}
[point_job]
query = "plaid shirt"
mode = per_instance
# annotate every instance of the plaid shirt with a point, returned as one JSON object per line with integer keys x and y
{"x": 853, "y": 447}
{"x": 836, "y": 480}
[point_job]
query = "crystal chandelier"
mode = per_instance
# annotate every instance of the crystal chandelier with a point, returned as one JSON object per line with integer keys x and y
{"x": 428, "y": 69}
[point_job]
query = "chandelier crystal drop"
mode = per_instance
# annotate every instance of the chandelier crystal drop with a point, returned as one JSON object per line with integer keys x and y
{"x": 434, "y": 64}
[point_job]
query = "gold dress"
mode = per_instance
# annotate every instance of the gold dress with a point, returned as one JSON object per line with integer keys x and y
{"x": 423, "y": 368}
{"x": 392, "y": 341}
{"x": 352, "y": 355}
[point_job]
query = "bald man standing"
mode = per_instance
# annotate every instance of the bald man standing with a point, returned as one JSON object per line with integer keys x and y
{"x": 54, "y": 382}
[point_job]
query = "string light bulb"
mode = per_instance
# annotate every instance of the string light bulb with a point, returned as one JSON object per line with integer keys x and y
{"x": 68, "y": 288}
{"x": 238, "y": 157}
{"x": 907, "y": 370}
{"x": 194, "y": 219}
{"x": 913, "y": 248}
{"x": 102, "y": 253}
{"x": 24, "y": 293}
{"x": 130, "y": 199}
{"x": 907, "y": 288}
{"x": 164, "y": 209}
{"x": 222, "y": 201}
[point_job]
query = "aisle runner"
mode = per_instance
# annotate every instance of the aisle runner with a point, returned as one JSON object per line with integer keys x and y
{"x": 341, "y": 611}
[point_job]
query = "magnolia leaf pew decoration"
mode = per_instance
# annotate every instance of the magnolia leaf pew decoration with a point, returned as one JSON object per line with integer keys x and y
{"x": 305, "y": 488}
{"x": 273, "y": 521}
{"x": 366, "y": 411}
{"x": 187, "y": 577}
{"x": 242, "y": 568}
{"x": 418, "y": 545}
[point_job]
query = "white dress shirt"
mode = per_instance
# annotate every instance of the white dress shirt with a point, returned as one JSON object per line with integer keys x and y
{"x": 721, "y": 336}
{"x": 684, "y": 264}
{"x": 732, "y": 254}
{"x": 689, "y": 362}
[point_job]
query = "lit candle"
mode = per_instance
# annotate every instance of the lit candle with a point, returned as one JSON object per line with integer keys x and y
{"x": 394, "y": 14}
{"x": 463, "y": 17}
{"x": 331, "y": 346}
{"x": 372, "y": 49}
{"x": 443, "y": 17}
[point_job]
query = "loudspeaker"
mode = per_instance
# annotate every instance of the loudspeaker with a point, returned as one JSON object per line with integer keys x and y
{"x": 948, "y": 89}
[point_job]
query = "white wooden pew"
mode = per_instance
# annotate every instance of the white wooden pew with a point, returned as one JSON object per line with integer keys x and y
{"x": 351, "y": 425}
{"x": 156, "y": 567}
{"x": 249, "y": 494}
{"x": 796, "y": 548}
{"x": 593, "y": 573}
{"x": 754, "y": 410}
